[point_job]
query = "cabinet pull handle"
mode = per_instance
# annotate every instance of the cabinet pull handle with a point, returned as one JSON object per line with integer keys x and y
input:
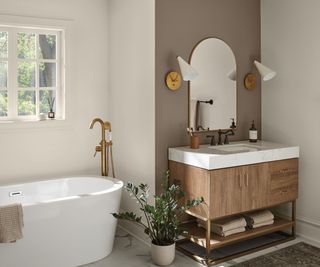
{"x": 240, "y": 182}
{"x": 247, "y": 179}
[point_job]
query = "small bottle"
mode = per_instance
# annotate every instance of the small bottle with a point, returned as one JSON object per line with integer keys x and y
{"x": 253, "y": 133}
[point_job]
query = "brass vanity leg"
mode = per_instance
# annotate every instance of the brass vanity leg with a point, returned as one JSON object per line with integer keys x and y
{"x": 293, "y": 212}
{"x": 208, "y": 237}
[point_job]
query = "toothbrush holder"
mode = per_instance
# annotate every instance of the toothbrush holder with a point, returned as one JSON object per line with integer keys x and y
{"x": 194, "y": 142}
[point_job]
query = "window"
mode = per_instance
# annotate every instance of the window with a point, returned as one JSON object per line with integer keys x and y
{"x": 31, "y": 73}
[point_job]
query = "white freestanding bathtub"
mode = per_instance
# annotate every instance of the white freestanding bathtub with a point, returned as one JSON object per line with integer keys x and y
{"x": 67, "y": 222}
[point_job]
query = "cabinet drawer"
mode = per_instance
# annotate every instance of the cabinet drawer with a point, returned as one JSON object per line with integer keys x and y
{"x": 283, "y": 181}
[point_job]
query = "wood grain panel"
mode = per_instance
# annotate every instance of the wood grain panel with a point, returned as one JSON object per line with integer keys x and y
{"x": 236, "y": 190}
{"x": 283, "y": 181}
{"x": 195, "y": 182}
{"x": 256, "y": 187}
{"x": 226, "y": 192}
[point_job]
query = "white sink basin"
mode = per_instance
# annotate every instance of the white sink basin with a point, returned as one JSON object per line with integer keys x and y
{"x": 241, "y": 148}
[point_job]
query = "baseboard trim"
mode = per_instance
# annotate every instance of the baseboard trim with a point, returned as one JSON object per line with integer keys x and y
{"x": 309, "y": 231}
{"x": 306, "y": 228}
{"x": 314, "y": 223}
{"x": 135, "y": 231}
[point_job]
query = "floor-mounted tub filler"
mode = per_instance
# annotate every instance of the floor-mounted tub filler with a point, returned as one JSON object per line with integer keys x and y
{"x": 67, "y": 222}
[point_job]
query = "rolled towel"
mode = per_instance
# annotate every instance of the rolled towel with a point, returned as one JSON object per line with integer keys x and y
{"x": 11, "y": 223}
{"x": 261, "y": 224}
{"x": 227, "y": 224}
{"x": 259, "y": 217}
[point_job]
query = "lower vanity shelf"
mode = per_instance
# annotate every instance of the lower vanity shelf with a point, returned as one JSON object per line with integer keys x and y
{"x": 222, "y": 249}
{"x": 229, "y": 252}
{"x": 198, "y": 234}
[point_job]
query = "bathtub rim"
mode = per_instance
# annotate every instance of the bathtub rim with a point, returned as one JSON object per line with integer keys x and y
{"x": 117, "y": 185}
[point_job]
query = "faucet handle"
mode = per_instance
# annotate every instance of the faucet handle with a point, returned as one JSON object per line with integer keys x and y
{"x": 226, "y": 140}
{"x": 98, "y": 149}
{"x": 212, "y": 141}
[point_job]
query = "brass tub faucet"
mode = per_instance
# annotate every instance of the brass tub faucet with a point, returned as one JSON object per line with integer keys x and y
{"x": 105, "y": 146}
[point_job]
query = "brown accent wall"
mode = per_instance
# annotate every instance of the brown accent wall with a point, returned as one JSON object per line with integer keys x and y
{"x": 180, "y": 25}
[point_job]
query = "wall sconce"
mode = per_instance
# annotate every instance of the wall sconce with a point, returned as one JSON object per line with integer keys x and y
{"x": 173, "y": 78}
{"x": 250, "y": 81}
{"x": 187, "y": 71}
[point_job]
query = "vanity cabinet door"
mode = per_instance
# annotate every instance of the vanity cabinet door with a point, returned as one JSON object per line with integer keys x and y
{"x": 239, "y": 189}
{"x": 255, "y": 187}
{"x": 225, "y": 192}
{"x": 283, "y": 181}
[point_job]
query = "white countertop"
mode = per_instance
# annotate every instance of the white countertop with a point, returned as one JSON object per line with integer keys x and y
{"x": 218, "y": 157}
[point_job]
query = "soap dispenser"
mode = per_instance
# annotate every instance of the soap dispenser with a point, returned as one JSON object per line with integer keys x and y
{"x": 253, "y": 133}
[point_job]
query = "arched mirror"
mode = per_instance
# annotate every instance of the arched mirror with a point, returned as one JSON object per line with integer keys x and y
{"x": 213, "y": 94}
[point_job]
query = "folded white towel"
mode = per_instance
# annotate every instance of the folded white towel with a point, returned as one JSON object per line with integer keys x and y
{"x": 219, "y": 232}
{"x": 257, "y": 225}
{"x": 193, "y": 113}
{"x": 11, "y": 223}
{"x": 230, "y": 232}
{"x": 226, "y": 224}
{"x": 258, "y": 217}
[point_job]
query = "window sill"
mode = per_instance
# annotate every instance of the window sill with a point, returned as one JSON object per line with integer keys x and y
{"x": 11, "y": 125}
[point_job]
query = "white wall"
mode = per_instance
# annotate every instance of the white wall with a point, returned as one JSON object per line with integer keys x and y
{"x": 132, "y": 92}
{"x": 38, "y": 150}
{"x": 291, "y": 102}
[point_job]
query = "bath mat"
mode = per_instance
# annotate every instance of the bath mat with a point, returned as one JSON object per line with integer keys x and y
{"x": 298, "y": 255}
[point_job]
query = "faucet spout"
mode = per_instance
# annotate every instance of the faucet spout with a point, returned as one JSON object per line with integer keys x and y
{"x": 94, "y": 121}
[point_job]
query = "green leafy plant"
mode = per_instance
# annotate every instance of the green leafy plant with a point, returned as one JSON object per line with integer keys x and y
{"x": 161, "y": 219}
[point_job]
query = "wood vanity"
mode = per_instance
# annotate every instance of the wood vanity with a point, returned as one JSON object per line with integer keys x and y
{"x": 269, "y": 178}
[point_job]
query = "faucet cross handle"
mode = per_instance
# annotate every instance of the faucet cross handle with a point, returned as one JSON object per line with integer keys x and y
{"x": 212, "y": 140}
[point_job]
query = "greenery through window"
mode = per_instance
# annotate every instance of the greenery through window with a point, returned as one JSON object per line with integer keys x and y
{"x": 30, "y": 70}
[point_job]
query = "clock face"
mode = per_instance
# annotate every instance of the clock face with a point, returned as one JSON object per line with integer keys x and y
{"x": 173, "y": 80}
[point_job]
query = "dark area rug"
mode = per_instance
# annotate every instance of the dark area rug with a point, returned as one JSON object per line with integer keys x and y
{"x": 298, "y": 255}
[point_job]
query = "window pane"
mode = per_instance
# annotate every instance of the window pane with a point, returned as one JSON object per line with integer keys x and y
{"x": 3, "y": 74}
{"x": 47, "y": 100}
{"x": 3, "y": 103}
{"x": 47, "y": 74}
{"x": 26, "y": 74}
{"x": 3, "y": 44}
{"x": 47, "y": 46}
{"x": 26, "y": 46}
{"x": 26, "y": 102}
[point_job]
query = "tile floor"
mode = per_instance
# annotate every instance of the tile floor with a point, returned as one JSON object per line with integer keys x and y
{"x": 130, "y": 252}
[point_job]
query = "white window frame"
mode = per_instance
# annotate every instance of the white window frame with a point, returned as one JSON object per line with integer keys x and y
{"x": 12, "y": 85}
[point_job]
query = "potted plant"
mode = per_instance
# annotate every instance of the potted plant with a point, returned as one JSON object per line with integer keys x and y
{"x": 161, "y": 219}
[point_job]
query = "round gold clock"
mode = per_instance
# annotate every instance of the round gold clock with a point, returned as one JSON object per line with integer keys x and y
{"x": 173, "y": 80}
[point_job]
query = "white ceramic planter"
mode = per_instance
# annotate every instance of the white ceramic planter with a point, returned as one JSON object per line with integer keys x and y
{"x": 163, "y": 255}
